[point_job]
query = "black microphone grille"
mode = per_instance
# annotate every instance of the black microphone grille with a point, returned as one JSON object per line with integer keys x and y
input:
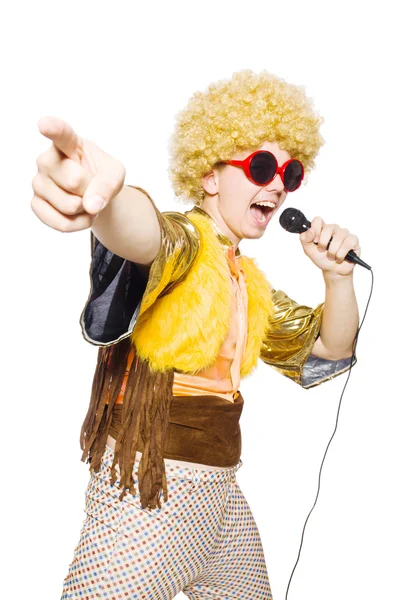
{"x": 293, "y": 220}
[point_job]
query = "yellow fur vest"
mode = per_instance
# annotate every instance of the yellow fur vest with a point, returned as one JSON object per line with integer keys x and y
{"x": 185, "y": 328}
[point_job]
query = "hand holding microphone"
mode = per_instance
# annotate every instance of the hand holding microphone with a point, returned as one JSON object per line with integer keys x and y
{"x": 331, "y": 248}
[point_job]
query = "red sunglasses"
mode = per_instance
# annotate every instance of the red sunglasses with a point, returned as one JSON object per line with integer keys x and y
{"x": 261, "y": 168}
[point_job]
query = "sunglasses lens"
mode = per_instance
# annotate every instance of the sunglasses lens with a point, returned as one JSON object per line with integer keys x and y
{"x": 293, "y": 175}
{"x": 263, "y": 167}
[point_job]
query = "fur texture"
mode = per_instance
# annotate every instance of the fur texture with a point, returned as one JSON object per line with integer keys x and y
{"x": 185, "y": 328}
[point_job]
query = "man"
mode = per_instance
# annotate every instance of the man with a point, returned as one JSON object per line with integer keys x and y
{"x": 180, "y": 316}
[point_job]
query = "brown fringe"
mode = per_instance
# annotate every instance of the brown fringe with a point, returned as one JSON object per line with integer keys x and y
{"x": 145, "y": 414}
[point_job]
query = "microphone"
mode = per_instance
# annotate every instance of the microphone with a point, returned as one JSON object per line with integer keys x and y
{"x": 294, "y": 221}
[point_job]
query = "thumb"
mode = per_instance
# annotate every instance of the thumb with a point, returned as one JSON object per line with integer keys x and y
{"x": 99, "y": 193}
{"x": 307, "y": 237}
{"x": 63, "y": 136}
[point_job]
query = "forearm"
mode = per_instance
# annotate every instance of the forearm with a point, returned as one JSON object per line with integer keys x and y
{"x": 128, "y": 226}
{"x": 340, "y": 319}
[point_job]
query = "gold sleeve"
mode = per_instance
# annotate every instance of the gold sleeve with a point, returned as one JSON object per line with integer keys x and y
{"x": 180, "y": 244}
{"x": 289, "y": 341}
{"x": 121, "y": 290}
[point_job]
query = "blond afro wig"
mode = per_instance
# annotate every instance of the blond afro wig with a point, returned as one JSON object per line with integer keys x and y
{"x": 235, "y": 115}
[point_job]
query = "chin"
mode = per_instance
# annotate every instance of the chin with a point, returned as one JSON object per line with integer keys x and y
{"x": 255, "y": 235}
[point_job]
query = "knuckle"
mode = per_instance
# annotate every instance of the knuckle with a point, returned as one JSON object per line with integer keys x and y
{"x": 74, "y": 182}
{"x": 34, "y": 203}
{"x": 43, "y": 161}
{"x": 75, "y": 205}
{"x": 317, "y": 222}
{"x": 37, "y": 182}
{"x": 65, "y": 227}
{"x": 71, "y": 225}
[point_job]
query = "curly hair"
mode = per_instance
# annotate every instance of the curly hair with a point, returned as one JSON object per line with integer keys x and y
{"x": 235, "y": 115}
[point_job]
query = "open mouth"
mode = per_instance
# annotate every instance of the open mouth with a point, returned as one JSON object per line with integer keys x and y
{"x": 261, "y": 213}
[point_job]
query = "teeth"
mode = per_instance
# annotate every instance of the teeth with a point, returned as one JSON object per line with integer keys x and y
{"x": 266, "y": 203}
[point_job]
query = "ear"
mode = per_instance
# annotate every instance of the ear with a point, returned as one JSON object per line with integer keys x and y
{"x": 210, "y": 183}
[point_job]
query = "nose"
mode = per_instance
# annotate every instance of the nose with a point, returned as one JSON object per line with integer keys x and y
{"x": 276, "y": 185}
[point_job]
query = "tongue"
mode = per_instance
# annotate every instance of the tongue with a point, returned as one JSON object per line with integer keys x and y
{"x": 258, "y": 214}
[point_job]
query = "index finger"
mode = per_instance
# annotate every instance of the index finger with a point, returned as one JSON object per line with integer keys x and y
{"x": 63, "y": 136}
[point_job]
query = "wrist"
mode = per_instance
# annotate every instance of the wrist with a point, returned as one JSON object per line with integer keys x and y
{"x": 333, "y": 279}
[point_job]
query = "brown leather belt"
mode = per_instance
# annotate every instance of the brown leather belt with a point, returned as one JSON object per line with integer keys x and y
{"x": 201, "y": 429}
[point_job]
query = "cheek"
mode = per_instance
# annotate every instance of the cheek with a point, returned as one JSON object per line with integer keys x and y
{"x": 282, "y": 200}
{"x": 230, "y": 184}
{"x": 236, "y": 185}
{"x": 231, "y": 194}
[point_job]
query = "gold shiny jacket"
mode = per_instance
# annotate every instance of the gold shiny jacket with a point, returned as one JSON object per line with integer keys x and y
{"x": 122, "y": 291}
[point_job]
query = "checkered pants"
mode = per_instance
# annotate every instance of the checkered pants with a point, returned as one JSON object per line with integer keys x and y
{"x": 203, "y": 541}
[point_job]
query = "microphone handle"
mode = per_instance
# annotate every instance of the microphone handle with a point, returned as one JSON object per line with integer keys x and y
{"x": 351, "y": 256}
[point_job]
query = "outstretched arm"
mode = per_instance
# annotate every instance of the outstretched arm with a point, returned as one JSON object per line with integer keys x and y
{"x": 78, "y": 185}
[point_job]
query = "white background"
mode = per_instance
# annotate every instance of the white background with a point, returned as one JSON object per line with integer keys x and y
{"x": 119, "y": 72}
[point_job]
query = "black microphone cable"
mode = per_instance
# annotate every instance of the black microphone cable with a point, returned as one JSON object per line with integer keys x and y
{"x": 336, "y": 425}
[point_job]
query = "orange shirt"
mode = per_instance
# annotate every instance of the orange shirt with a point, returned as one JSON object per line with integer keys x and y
{"x": 223, "y": 378}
